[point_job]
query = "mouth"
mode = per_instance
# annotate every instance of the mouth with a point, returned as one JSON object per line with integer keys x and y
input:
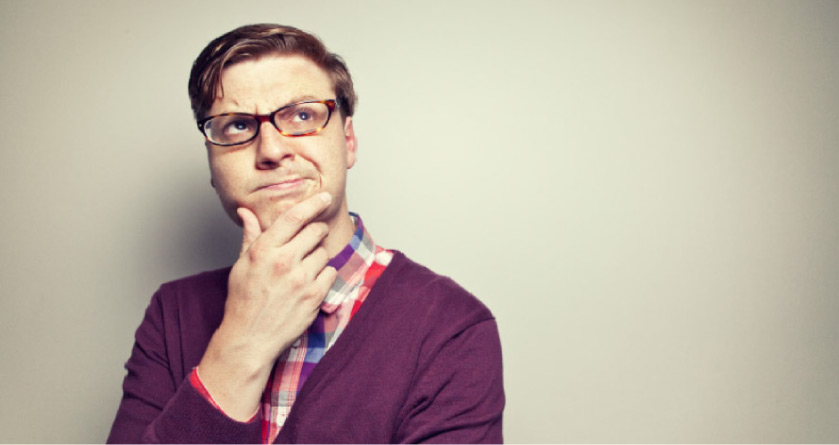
{"x": 284, "y": 185}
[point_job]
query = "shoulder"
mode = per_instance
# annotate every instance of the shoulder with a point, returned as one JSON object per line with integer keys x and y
{"x": 210, "y": 280}
{"x": 411, "y": 288}
{"x": 206, "y": 291}
{"x": 446, "y": 342}
{"x": 181, "y": 318}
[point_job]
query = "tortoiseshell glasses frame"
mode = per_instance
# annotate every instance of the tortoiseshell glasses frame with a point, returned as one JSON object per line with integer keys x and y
{"x": 294, "y": 120}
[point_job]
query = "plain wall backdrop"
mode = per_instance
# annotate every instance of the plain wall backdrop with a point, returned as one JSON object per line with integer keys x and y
{"x": 643, "y": 192}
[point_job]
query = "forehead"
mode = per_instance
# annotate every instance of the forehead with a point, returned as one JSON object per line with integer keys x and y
{"x": 264, "y": 84}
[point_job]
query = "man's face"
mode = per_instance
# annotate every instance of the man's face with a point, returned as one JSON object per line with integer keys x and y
{"x": 273, "y": 172}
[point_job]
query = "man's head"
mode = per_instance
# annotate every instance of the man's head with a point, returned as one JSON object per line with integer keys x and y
{"x": 254, "y": 41}
{"x": 257, "y": 70}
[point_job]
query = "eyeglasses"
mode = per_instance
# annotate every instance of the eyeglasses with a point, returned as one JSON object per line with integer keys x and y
{"x": 295, "y": 120}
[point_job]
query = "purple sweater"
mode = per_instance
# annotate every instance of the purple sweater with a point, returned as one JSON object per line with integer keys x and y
{"x": 419, "y": 362}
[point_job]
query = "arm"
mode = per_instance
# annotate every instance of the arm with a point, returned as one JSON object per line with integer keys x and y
{"x": 459, "y": 395}
{"x": 155, "y": 408}
{"x": 274, "y": 292}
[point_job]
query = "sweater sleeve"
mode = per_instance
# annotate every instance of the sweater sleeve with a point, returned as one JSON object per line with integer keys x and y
{"x": 158, "y": 406}
{"x": 459, "y": 395}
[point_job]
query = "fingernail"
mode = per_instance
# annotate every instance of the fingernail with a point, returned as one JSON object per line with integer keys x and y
{"x": 326, "y": 197}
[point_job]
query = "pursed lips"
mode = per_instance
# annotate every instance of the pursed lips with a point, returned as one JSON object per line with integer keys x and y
{"x": 284, "y": 184}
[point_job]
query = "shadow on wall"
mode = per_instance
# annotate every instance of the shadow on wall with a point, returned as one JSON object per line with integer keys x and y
{"x": 191, "y": 232}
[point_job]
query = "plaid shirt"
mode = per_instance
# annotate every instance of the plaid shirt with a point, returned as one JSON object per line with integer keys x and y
{"x": 358, "y": 265}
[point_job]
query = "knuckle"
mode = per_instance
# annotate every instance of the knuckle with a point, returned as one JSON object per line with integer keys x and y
{"x": 314, "y": 294}
{"x": 297, "y": 280}
{"x": 255, "y": 253}
{"x": 282, "y": 263}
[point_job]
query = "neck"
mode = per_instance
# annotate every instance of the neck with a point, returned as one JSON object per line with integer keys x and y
{"x": 341, "y": 229}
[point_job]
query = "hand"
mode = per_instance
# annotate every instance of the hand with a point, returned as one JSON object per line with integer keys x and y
{"x": 274, "y": 293}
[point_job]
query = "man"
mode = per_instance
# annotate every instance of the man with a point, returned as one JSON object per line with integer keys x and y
{"x": 401, "y": 354}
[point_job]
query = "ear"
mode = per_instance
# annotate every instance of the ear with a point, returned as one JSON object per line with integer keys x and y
{"x": 350, "y": 141}
{"x": 210, "y": 162}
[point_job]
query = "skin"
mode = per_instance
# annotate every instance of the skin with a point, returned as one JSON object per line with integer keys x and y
{"x": 289, "y": 196}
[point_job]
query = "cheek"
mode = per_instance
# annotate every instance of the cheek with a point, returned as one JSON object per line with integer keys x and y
{"x": 333, "y": 160}
{"x": 224, "y": 176}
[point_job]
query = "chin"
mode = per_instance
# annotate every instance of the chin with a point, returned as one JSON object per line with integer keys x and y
{"x": 268, "y": 215}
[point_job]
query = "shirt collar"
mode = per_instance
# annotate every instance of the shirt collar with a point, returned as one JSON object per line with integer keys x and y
{"x": 352, "y": 264}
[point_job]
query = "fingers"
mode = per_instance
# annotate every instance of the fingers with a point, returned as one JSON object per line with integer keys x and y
{"x": 250, "y": 227}
{"x": 290, "y": 222}
{"x": 283, "y": 228}
{"x": 315, "y": 262}
{"x": 307, "y": 240}
{"x": 325, "y": 279}
{"x": 278, "y": 282}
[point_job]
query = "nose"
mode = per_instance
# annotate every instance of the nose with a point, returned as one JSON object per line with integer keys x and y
{"x": 271, "y": 147}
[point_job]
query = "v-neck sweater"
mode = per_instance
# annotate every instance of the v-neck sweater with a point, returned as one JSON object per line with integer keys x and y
{"x": 419, "y": 362}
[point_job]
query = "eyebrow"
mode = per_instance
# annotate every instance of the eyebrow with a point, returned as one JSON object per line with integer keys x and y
{"x": 301, "y": 98}
{"x": 293, "y": 100}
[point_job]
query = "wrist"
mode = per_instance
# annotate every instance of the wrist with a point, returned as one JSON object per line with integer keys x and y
{"x": 233, "y": 377}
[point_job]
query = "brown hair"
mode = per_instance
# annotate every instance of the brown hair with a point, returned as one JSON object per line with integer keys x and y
{"x": 253, "y": 41}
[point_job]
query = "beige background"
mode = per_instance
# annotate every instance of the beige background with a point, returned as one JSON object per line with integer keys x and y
{"x": 644, "y": 192}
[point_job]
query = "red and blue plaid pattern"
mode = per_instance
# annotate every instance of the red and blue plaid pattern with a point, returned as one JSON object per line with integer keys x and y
{"x": 358, "y": 265}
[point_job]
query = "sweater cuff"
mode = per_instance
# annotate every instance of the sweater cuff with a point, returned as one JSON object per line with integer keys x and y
{"x": 190, "y": 418}
{"x": 195, "y": 381}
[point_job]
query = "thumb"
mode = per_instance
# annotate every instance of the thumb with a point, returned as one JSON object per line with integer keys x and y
{"x": 250, "y": 228}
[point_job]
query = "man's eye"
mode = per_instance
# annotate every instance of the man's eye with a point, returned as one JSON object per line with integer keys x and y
{"x": 300, "y": 117}
{"x": 235, "y": 127}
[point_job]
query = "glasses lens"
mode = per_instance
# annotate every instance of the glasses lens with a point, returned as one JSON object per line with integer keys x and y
{"x": 302, "y": 118}
{"x": 231, "y": 129}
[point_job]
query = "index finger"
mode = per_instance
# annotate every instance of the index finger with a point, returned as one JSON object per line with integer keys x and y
{"x": 291, "y": 221}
